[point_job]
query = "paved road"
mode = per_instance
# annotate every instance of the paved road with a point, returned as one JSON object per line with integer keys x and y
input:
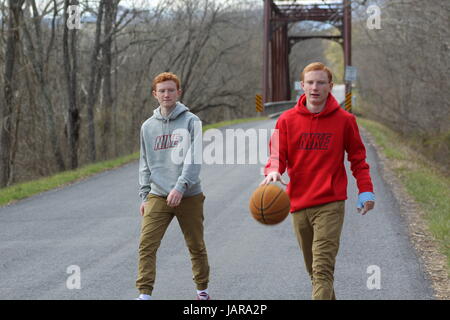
{"x": 95, "y": 223}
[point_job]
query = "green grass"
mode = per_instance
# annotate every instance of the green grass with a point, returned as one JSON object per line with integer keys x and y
{"x": 426, "y": 184}
{"x": 23, "y": 190}
{"x": 231, "y": 122}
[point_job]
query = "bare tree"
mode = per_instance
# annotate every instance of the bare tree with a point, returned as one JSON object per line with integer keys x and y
{"x": 110, "y": 14}
{"x": 13, "y": 37}
{"x": 94, "y": 83}
{"x": 403, "y": 71}
{"x": 35, "y": 52}
{"x": 71, "y": 72}
{"x": 64, "y": 90}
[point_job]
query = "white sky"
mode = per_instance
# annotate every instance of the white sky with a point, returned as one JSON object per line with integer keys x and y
{"x": 143, "y": 4}
{"x": 307, "y": 1}
{"x": 147, "y": 3}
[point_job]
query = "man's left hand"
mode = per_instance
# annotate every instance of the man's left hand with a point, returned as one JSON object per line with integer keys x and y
{"x": 368, "y": 205}
{"x": 174, "y": 198}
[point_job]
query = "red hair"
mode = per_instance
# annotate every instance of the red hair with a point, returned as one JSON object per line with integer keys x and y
{"x": 317, "y": 66}
{"x": 165, "y": 76}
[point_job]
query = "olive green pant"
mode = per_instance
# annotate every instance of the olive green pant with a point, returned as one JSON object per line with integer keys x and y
{"x": 318, "y": 230}
{"x": 156, "y": 219}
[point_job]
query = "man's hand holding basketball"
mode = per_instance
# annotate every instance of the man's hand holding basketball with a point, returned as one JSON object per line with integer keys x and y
{"x": 273, "y": 176}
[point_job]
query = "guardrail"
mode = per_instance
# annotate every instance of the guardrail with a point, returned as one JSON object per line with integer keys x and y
{"x": 274, "y": 109}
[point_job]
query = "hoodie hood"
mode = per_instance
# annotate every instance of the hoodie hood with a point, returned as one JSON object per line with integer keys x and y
{"x": 179, "y": 109}
{"x": 165, "y": 121}
{"x": 331, "y": 105}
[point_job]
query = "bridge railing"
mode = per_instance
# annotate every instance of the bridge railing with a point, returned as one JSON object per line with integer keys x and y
{"x": 273, "y": 109}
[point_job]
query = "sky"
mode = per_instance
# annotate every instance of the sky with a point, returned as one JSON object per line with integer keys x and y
{"x": 145, "y": 4}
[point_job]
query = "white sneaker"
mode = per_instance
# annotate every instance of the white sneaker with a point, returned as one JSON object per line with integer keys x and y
{"x": 203, "y": 296}
{"x": 144, "y": 297}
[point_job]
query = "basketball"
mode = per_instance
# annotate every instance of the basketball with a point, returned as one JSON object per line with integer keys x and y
{"x": 269, "y": 204}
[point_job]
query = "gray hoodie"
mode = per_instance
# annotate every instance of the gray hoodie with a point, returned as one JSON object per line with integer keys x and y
{"x": 168, "y": 147}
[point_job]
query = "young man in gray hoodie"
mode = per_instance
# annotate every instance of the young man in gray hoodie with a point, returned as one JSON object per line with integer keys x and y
{"x": 169, "y": 169}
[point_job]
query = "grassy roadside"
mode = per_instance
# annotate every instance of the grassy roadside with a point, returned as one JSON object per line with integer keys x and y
{"x": 426, "y": 184}
{"x": 27, "y": 189}
{"x": 231, "y": 122}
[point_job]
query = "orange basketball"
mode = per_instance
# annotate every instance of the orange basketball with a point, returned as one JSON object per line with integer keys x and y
{"x": 269, "y": 204}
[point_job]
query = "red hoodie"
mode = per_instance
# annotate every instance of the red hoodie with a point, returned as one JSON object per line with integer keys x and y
{"x": 312, "y": 146}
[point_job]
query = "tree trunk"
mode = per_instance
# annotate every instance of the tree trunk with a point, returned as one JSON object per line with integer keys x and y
{"x": 71, "y": 70}
{"x": 39, "y": 69}
{"x": 110, "y": 17}
{"x": 94, "y": 80}
{"x": 15, "y": 6}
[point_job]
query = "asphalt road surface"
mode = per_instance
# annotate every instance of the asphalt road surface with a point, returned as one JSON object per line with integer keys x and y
{"x": 94, "y": 225}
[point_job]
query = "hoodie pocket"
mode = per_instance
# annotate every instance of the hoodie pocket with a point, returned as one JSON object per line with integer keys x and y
{"x": 312, "y": 186}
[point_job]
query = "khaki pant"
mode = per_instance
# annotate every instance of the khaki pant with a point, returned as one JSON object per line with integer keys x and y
{"x": 157, "y": 217}
{"x": 318, "y": 230}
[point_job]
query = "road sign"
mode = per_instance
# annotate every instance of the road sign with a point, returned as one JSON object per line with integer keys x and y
{"x": 350, "y": 73}
{"x": 259, "y": 103}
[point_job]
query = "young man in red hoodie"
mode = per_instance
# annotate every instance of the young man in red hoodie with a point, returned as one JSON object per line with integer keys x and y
{"x": 310, "y": 142}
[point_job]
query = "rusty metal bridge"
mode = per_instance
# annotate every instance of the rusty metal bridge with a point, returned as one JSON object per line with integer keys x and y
{"x": 278, "y": 42}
